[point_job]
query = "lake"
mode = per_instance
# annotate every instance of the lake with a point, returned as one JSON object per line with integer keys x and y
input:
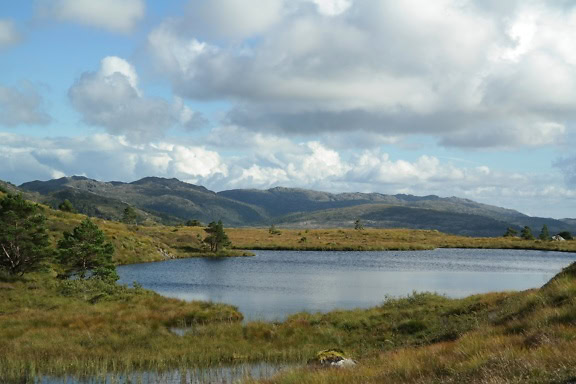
{"x": 274, "y": 284}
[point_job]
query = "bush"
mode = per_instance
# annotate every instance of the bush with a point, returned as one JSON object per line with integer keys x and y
{"x": 411, "y": 327}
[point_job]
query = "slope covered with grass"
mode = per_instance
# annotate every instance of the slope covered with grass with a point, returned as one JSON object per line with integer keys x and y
{"x": 525, "y": 337}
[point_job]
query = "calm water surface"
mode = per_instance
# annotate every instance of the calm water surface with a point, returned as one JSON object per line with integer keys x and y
{"x": 274, "y": 284}
{"x": 219, "y": 375}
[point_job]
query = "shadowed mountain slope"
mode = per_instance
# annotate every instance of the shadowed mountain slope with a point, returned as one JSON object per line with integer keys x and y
{"x": 169, "y": 200}
{"x": 173, "y": 201}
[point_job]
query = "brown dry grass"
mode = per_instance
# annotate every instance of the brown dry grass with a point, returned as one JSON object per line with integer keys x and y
{"x": 378, "y": 239}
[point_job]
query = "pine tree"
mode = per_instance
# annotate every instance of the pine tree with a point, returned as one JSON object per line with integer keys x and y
{"x": 510, "y": 232}
{"x": 358, "y": 225}
{"x": 544, "y": 233}
{"x": 129, "y": 216}
{"x": 526, "y": 233}
{"x": 85, "y": 250}
{"x": 66, "y": 206}
{"x": 217, "y": 238}
{"x": 24, "y": 243}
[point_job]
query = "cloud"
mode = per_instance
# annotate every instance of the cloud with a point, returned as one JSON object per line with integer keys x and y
{"x": 8, "y": 33}
{"x": 113, "y": 15}
{"x": 234, "y": 19}
{"x": 308, "y": 165}
{"x": 111, "y": 98}
{"x": 22, "y": 105}
{"x": 459, "y": 71}
{"x": 508, "y": 134}
{"x": 103, "y": 157}
{"x": 567, "y": 166}
{"x": 332, "y": 7}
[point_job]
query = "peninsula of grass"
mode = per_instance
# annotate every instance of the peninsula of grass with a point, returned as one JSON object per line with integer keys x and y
{"x": 524, "y": 337}
{"x": 142, "y": 244}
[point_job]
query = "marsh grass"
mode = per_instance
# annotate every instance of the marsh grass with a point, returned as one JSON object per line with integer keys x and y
{"x": 90, "y": 328}
{"x": 93, "y": 329}
{"x": 525, "y": 337}
{"x": 378, "y": 239}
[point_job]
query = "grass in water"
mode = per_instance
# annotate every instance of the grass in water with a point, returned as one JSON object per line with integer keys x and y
{"x": 526, "y": 337}
{"x": 50, "y": 327}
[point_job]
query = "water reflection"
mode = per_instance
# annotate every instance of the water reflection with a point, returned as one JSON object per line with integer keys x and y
{"x": 214, "y": 375}
{"x": 274, "y": 284}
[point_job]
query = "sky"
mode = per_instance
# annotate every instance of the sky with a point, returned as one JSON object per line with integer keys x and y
{"x": 467, "y": 98}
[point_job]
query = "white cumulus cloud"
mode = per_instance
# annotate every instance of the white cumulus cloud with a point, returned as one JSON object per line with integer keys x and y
{"x": 111, "y": 98}
{"x": 308, "y": 165}
{"x": 459, "y": 71}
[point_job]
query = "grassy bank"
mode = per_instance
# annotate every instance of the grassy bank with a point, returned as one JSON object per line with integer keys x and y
{"x": 526, "y": 337}
{"x": 141, "y": 244}
{"x": 379, "y": 239}
{"x": 50, "y": 327}
{"x": 89, "y": 328}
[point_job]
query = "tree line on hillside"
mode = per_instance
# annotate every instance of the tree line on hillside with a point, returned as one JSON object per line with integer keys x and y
{"x": 83, "y": 253}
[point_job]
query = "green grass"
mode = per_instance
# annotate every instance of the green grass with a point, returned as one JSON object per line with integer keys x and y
{"x": 86, "y": 328}
{"x": 51, "y": 327}
{"x": 141, "y": 244}
{"x": 526, "y": 337}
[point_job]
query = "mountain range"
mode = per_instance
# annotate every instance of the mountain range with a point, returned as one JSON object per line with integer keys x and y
{"x": 171, "y": 201}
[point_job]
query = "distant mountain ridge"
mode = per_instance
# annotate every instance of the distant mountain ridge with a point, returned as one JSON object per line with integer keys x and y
{"x": 173, "y": 201}
{"x": 282, "y": 201}
{"x": 170, "y": 199}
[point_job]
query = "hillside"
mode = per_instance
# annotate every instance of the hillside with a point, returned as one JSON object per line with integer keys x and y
{"x": 301, "y": 208}
{"x": 372, "y": 215}
{"x": 166, "y": 200}
{"x": 171, "y": 201}
{"x": 282, "y": 201}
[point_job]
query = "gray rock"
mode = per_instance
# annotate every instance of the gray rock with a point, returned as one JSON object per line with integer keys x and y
{"x": 344, "y": 363}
